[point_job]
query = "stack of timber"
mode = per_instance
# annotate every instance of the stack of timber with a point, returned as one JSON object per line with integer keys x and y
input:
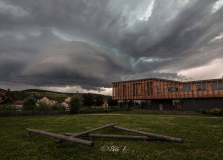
{"x": 71, "y": 137}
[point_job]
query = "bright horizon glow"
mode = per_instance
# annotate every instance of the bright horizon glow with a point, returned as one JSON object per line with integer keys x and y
{"x": 214, "y": 69}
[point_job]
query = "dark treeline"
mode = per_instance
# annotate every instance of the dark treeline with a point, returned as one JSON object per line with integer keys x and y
{"x": 38, "y": 94}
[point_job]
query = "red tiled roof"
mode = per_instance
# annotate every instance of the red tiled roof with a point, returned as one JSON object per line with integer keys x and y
{"x": 19, "y": 102}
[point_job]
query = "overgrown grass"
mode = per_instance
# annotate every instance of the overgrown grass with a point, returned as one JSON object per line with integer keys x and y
{"x": 203, "y": 138}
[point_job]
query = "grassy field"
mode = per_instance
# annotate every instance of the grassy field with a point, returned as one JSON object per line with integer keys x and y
{"x": 203, "y": 138}
{"x": 145, "y": 112}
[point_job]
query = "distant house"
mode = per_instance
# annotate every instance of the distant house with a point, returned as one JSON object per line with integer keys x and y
{"x": 17, "y": 103}
{"x": 67, "y": 99}
{"x": 49, "y": 100}
{"x": 105, "y": 104}
{"x": 65, "y": 104}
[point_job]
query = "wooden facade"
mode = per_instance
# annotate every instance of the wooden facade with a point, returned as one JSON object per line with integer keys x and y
{"x": 154, "y": 88}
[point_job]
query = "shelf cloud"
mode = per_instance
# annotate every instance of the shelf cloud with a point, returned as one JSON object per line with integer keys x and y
{"x": 91, "y": 44}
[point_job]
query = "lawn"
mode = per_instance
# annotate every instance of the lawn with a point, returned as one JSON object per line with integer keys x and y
{"x": 203, "y": 138}
{"x": 149, "y": 112}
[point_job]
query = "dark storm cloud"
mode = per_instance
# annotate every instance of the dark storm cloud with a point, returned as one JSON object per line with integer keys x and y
{"x": 35, "y": 35}
{"x": 186, "y": 33}
{"x": 75, "y": 63}
{"x": 10, "y": 67}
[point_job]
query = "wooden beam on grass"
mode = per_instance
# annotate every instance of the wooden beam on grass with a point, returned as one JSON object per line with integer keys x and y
{"x": 113, "y": 136}
{"x": 152, "y": 135}
{"x": 87, "y": 132}
{"x": 64, "y": 138}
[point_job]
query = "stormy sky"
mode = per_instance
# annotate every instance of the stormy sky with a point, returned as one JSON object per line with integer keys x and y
{"x": 86, "y": 45}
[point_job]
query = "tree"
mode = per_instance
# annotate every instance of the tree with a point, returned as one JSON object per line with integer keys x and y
{"x": 75, "y": 104}
{"x": 42, "y": 107}
{"x": 112, "y": 102}
{"x": 88, "y": 100}
{"x": 29, "y": 103}
{"x": 99, "y": 100}
{"x": 8, "y": 97}
{"x": 57, "y": 107}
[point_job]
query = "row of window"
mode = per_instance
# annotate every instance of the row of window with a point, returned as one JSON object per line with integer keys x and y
{"x": 188, "y": 88}
{"x": 219, "y": 86}
{"x": 171, "y": 89}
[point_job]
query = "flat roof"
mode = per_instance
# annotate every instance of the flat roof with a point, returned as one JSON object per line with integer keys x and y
{"x": 170, "y": 80}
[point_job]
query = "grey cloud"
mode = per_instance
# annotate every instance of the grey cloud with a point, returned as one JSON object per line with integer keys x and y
{"x": 181, "y": 37}
{"x": 162, "y": 75}
{"x": 177, "y": 36}
{"x": 75, "y": 63}
{"x": 10, "y": 67}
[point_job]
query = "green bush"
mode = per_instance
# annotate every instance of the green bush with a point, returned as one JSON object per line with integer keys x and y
{"x": 204, "y": 111}
{"x": 42, "y": 107}
{"x": 216, "y": 111}
{"x": 221, "y": 110}
{"x": 8, "y": 107}
{"x": 75, "y": 104}
{"x": 57, "y": 107}
{"x": 29, "y": 104}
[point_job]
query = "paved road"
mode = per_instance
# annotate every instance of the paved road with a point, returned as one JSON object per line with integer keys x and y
{"x": 159, "y": 115}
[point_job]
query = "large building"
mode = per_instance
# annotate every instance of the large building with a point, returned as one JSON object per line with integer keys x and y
{"x": 159, "y": 94}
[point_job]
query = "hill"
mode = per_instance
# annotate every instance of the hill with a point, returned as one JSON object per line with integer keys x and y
{"x": 21, "y": 95}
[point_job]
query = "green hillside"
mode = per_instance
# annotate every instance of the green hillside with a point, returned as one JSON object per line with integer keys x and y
{"x": 21, "y": 95}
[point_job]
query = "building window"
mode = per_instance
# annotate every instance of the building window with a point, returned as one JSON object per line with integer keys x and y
{"x": 176, "y": 89}
{"x": 158, "y": 89}
{"x": 204, "y": 87}
{"x": 173, "y": 89}
{"x": 220, "y": 86}
{"x": 215, "y": 86}
{"x": 169, "y": 89}
{"x": 189, "y": 88}
{"x": 199, "y": 87}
